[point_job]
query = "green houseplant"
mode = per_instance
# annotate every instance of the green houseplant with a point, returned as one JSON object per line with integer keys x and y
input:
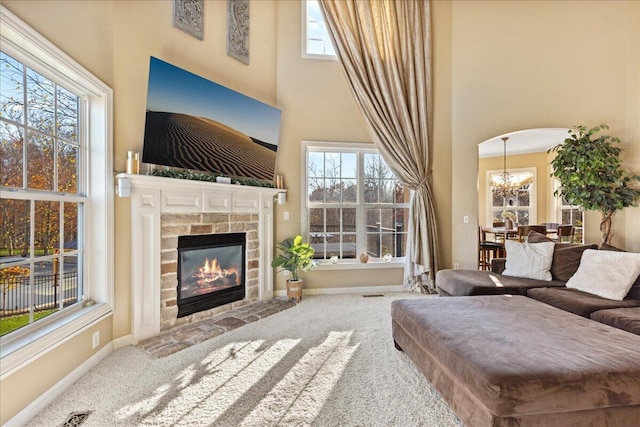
{"x": 590, "y": 175}
{"x": 295, "y": 256}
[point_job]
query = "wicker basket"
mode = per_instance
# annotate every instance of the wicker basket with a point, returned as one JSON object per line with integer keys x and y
{"x": 294, "y": 290}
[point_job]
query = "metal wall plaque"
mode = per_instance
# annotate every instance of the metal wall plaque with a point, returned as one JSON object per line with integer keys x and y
{"x": 238, "y": 30}
{"x": 188, "y": 16}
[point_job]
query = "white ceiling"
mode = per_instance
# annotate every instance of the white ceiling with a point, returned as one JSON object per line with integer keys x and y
{"x": 523, "y": 141}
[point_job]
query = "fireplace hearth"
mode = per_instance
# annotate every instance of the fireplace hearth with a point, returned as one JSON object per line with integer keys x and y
{"x": 211, "y": 271}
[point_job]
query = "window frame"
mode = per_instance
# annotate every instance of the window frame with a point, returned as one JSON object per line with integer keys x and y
{"x": 533, "y": 199}
{"x": 305, "y": 38}
{"x": 559, "y": 207}
{"x": 29, "y": 47}
{"x": 360, "y": 205}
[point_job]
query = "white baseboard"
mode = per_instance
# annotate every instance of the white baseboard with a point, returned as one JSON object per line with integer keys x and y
{"x": 352, "y": 290}
{"x": 122, "y": 342}
{"x": 46, "y": 398}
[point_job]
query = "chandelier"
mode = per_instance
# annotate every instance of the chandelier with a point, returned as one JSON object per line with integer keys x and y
{"x": 506, "y": 184}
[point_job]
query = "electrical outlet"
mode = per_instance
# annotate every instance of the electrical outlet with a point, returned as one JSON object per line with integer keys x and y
{"x": 286, "y": 272}
{"x": 465, "y": 219}
{"x": 285, "y": 215}
{"x": 456, "y": 266}
{"x": 95, "y": 341}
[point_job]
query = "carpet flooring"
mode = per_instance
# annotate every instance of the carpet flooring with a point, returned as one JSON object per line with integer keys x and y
{"x": 328, "y": 361}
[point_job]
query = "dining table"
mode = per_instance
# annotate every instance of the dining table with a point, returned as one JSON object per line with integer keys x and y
{"x": 509, "y": 233}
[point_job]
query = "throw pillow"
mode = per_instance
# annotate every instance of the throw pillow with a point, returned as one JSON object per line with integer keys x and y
{"x": 607, "y": 274}
{"x": 635, "y": 288}
{"x": 535, "y": 237}
{"x": 566, "y": 259}
{"x": 529, "y": 260}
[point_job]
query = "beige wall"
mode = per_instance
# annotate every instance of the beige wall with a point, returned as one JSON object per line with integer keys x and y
{"x": 499, "y": 66}
{"x": 538, "y": 161}
{"x": 523, "y": 65}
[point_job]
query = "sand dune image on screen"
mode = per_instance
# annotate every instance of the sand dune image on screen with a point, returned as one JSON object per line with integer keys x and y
{"x": 203, "y": 144}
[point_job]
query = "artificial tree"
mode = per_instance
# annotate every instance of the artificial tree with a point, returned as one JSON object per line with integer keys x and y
{"x": 590, "y": 174}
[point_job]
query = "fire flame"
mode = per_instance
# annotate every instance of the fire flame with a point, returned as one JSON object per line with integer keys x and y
{"x": 211, "y": 271}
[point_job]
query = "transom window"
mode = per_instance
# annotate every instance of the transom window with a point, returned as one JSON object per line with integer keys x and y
{"x": 354, "y": 202}
{"x": 41, "y": 231}
{"x": 317, "y": 42}
{"x": 521, "y": 205}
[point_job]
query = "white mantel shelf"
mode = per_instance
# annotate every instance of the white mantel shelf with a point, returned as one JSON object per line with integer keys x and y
{"x": 151, "y": 196}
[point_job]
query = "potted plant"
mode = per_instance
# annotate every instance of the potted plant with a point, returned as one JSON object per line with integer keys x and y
{"x": 588, "y": 168}
{"x": 295, "y": 257}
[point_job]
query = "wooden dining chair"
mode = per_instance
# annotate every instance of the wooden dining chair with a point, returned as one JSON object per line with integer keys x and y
{"x": 565, "y": 233}
{"x": 523, "y": 231}
{"x": 488, "y": 250}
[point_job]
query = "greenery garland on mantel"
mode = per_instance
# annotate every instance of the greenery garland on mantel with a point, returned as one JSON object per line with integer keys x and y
{"x": 198, "y": 176}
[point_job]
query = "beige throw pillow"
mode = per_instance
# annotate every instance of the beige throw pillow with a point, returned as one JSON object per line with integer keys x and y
{"x": 529, "y": 260}
{"x": 607, "y": 274}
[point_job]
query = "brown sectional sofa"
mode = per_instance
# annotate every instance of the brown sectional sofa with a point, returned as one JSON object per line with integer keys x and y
{"x": 511, "y": 351}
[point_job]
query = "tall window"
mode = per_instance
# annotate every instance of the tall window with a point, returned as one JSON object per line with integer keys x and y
{"x": 40, "y": 230}
{"x": 573, "y": 215}
{"x": 521, "y": 205}
{"x": 317, "y": 42}
{"x": 56, "y": 200}
{"x": 354, "y": 203}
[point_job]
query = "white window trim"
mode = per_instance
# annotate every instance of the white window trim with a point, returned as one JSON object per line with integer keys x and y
{"x": 533, "y": 210}
{"x": 26, "y": 45}
{"x": 304, "y": 54}
{"x": 342, "y": 263}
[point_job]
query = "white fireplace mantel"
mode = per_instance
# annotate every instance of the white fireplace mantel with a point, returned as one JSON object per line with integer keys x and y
{"x": 153, "y": 196}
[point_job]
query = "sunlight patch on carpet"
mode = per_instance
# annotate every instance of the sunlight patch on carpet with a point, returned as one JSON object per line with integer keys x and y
{"x": 216, "y": 384}
{"x": 298, "y": 398}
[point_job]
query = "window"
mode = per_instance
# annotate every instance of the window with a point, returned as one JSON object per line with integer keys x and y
{"x": 317, "y": 42}
{"x": 354, "y": 203}
{"x": 573, "y": 215}
{"x": 56, "y": 195}
{"x": 522, "y": 204}
{"x": 41, "y": 231}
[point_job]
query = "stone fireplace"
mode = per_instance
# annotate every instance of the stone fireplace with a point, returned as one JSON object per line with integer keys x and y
{"x": 164, "y": 211}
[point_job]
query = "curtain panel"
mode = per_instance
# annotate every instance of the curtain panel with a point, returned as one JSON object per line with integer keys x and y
{"x": 384, "y": 48}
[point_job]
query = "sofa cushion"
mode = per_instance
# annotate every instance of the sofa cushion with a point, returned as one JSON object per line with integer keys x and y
{"x": 474, "y": 282}
{"x": 566, "y": 256}
{"x": 627, "y": 319}
{"x": 607, "y": 274}
{"x": 634, "y": 292}
{"x": 532, "y": 261}
{"x": 578, "y": 302}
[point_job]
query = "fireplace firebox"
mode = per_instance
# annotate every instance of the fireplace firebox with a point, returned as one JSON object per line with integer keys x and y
{"x": 211, "y": 271}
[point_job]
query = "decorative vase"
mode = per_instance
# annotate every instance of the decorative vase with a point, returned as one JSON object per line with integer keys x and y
{"x": 294, "y": 290}
{"x": 364, "y": 258}
{"x": 508, "y": 223}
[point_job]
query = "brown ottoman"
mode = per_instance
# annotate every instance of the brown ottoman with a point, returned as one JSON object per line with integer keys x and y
{"x": 510, "y": 360}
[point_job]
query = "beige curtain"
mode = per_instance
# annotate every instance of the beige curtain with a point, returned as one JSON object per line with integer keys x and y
{"x": 384, "y": 47}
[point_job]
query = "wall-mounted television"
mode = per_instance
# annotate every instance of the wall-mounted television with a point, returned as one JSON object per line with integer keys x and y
{"x": 196, "y": 124}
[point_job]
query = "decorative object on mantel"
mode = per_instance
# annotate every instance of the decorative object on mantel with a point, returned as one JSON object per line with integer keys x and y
{"x": 295, "y": 257}
{"x": 364, "y": 258}
{"x": 133, "y": 163}
{"x": 188, "y": 16}
{"x": 238, "y": 30}
{"x": 198, "y": 176}
{"x": 280, "y": 182}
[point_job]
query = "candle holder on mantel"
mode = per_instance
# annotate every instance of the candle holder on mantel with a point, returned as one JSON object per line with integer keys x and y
{"x": 279, "y": 183}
